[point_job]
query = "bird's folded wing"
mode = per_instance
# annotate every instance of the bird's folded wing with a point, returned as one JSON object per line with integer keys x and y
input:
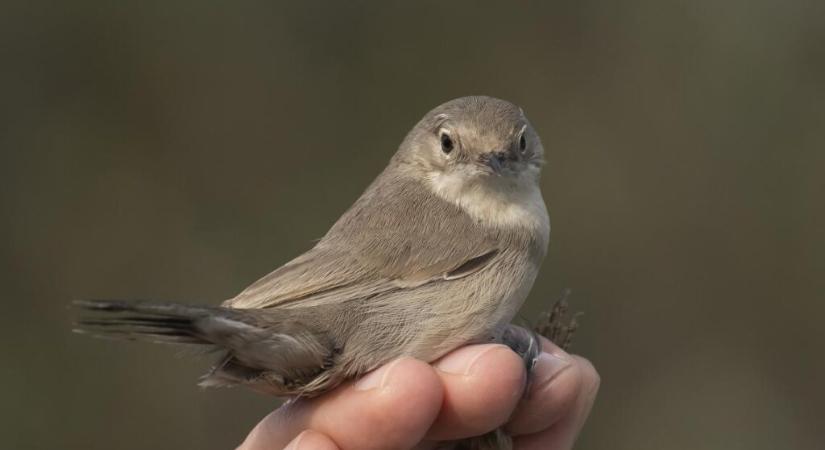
{"x": 396, "y": 236}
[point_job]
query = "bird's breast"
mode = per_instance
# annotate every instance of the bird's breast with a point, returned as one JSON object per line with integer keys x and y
{"x": 501, "y": 204}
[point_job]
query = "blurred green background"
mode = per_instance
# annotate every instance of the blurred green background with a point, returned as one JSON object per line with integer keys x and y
{"x": 180, "y": 150}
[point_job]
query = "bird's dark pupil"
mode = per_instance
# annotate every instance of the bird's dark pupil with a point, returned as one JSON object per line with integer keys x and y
{"x": 446, "y": 143}
{"x": 522, "y": 143}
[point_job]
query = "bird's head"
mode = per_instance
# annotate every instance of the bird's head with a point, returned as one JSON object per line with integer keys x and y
{"x": 480, "y": 153}
{"x": 475, "y": 142}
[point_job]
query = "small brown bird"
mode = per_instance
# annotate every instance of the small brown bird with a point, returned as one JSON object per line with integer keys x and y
{"x": 440, "y": 251}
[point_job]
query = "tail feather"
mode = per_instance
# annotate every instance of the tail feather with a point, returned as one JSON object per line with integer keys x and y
{"x": 166, "y": 309}
{"x": 156, "y": 322}
{"x": 159, "y": 337}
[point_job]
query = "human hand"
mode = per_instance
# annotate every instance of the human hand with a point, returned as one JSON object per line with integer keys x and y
{"x": 408, "y": 404}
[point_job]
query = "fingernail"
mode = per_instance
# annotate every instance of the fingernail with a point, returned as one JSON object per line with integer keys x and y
{"x": 296, "y": 443}
{"x": 375, "y": 379}
{"x": 549, "y": 366}
{"x": 461, "y": 362}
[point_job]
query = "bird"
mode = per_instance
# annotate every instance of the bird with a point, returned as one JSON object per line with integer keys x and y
{"x": 439, "y": 251}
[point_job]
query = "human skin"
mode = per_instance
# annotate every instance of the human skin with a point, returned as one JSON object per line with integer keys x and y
{"x": 409, "y": 404}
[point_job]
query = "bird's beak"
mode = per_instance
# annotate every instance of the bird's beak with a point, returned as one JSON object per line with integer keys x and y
{"x": 495, "y": 162}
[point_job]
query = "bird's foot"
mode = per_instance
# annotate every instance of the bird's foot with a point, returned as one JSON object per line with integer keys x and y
{"x": 556, "y": 325}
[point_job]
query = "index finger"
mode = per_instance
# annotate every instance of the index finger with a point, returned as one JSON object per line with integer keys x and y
{"x": 391, "y": 407}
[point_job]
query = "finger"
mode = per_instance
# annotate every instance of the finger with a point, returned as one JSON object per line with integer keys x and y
{"x": 562, "y": 435}
{"x": 482, "y": 385}
{"x": 311, "y": 440}
{"x": 554, "y": 387}
{"x": 390, "y": 408}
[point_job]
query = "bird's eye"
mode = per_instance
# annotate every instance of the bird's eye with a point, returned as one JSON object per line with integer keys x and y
{"x": 522, "y": 143}
{"x": 447, "y": 143}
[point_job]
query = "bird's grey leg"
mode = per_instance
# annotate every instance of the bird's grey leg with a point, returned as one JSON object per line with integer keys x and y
{"x": 524, "y": 342}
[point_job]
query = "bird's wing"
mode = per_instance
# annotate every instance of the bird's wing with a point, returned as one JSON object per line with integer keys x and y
{"x": 396, "y": 236}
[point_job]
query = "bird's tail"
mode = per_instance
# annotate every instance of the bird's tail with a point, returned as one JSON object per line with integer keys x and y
{"x": 167, "y": 323}
{"x": 270, "y": 350}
